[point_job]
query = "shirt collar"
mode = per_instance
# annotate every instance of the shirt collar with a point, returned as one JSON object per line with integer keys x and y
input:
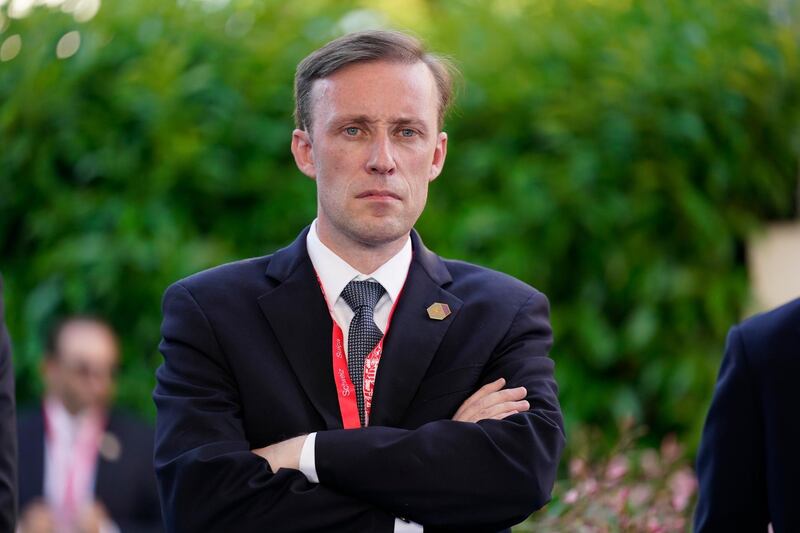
{"x": 335, "y": 273}
{"x": 63, "y": 422}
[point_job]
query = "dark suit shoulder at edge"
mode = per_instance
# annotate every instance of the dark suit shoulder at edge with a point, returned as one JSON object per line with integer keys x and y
{"x": 784, "y": 316}
{"x": 768, "y": 335}
{"x": 779, "y": 322}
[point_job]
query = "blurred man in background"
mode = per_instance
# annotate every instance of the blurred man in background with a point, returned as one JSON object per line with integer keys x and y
{"x": 748, "y": 464}
{"x": 84, "y": 468}
{"x": 8, "y": 435}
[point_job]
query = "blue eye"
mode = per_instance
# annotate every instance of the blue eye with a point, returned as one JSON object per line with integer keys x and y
{"x": 352, "y": 131}
{"x": 407, "y": 132}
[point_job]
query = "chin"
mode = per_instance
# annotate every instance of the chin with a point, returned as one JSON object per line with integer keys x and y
{"x": 380, "y": 231}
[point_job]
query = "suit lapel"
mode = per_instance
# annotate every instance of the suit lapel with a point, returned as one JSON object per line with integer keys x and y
{"x": 299, "y": 317}
{"x": 302, "y": 324}
{"x": 413, "y": 336}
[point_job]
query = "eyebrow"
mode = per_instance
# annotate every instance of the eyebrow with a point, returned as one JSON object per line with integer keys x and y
{"x": 363, "y": 119}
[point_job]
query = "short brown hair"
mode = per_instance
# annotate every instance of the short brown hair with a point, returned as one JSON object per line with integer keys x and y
{"x": 361, "y": 47}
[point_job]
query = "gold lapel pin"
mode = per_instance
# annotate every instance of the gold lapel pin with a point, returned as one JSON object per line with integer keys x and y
{"x": 438, "y": 311}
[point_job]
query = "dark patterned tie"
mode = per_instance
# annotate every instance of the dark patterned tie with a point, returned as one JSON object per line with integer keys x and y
{"x": 364, "y": 335}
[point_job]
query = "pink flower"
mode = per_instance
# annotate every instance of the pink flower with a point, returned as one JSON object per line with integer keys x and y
{"x": 571, "y": 496}
{"x": 683, "y": 485}
{"x": 617, "y": 467}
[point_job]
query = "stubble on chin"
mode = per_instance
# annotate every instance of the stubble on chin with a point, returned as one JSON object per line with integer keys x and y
{"x": 376, "y": 232}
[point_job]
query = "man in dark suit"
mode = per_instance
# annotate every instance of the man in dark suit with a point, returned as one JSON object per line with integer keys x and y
{"x": 82, "y": 466}
{"x": 273, "y": 414}
{"x": 748, "y": 463}
{"x": 8, "y": 427}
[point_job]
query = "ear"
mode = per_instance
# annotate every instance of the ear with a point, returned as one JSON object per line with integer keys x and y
{"x": 303, "y": 153}
{"x": 439, "y": 155}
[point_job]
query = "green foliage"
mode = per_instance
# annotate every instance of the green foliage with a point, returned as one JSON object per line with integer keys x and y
{"x": 613, "y": 154}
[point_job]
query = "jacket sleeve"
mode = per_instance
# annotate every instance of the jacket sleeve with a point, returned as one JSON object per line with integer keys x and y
{"x": 8, "y": 430}
{"x": 208, "y": 478}
{"x": 457, "y": 475}
{"x": 730, "y": 466}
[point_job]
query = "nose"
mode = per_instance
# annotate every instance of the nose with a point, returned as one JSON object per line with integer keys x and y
{"x": 381, "y": 159}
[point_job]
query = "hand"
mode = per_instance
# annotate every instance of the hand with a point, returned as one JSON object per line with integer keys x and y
{"x": 284, "y": 454}
{"x": 37, "y": 518}
{"x": 92, "y": 518}
{"x": 493, "y": 402}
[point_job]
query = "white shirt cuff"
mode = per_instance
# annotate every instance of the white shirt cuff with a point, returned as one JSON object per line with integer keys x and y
{"x": 401, "y": 526}
{"x": 308, "y": 462}
{"x": 308, "y": 466}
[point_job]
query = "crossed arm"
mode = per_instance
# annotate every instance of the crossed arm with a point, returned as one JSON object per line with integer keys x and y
{"x": 485, "y": 469}
{"x": 490, "y": 402}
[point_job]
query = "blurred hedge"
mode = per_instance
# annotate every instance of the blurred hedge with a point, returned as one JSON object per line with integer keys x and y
{"x": 615, "y": 154}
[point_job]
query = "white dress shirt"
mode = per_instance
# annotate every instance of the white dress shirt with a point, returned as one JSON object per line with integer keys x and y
{"x": 334, "y": 274}
{"x": 70, "y": 458}
{"x": 61, "y": 464}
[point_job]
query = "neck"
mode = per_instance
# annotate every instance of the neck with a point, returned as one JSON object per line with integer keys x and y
{"x": 366, "y": 258}
{"x": 71, "y": 409}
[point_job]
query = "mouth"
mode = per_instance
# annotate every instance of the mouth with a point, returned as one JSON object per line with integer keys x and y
{"x": 379, "y": 194}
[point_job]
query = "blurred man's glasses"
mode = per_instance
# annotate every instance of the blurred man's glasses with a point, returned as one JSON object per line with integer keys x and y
{"x": 85, "y": 370}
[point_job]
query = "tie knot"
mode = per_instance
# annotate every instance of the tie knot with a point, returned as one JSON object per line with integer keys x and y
{"x": 362, "y": 294}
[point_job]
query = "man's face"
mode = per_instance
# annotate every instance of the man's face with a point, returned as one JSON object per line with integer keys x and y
{"x": 373, "y": 148}
{"x": 81, "y": 373}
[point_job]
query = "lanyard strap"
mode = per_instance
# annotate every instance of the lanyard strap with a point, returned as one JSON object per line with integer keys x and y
{"x": 345, "y": 390}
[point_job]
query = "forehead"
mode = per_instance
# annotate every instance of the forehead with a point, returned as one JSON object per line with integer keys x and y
{"x": 379, "y": 90}
{"x": 87, "y": 341}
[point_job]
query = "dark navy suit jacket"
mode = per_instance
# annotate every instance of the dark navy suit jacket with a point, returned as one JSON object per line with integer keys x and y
{"x": 125, "y": 485}
{"x": 749, "y": 459}
{"x": 8, "y": 427}
{"x": 247, "y": 363}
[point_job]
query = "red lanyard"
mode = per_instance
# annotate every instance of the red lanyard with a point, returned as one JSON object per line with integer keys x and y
{"x": 345, "y": 390}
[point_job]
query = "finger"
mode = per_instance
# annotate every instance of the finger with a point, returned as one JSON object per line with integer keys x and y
{"x": 504, "y": 407}
{"x": 473, "y": 415}
{"x": 475, "y": 397}
{"x": 489, "y": 388}
{"x": 484, "y": 396}
{"x": 475, "y": 404}
{"x": 505, "y": 395}
{"x": 501, "y": 411}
